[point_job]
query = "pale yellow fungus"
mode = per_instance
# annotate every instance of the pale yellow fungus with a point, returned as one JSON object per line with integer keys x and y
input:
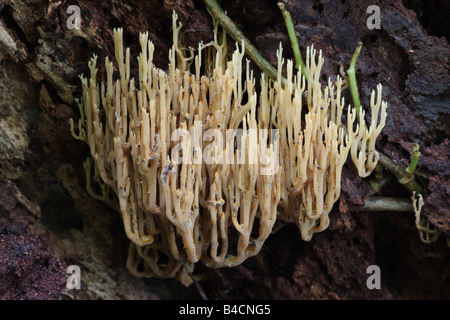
{"x": 202, "y": 165}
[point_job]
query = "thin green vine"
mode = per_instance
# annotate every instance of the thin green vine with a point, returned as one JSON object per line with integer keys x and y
{"x": 293, "y": 38}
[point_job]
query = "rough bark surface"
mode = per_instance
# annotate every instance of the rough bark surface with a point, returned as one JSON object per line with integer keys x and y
{"x": 48, "y": 221}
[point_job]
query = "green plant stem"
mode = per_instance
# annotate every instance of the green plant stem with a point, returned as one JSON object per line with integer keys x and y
{"x": 293, "y": 38}
{"x": 387, "y": 204}
{"x": 415, "y": 158}
{"x": 408, "y": 181}
{"x": 196, "y": 283}
{"x": 217, "y": 13}
{"x": 352, "y": 80}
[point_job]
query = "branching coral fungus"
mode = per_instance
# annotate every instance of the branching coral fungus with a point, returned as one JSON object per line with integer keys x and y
{"x": 363, "y": 150}
{"x": 314, "y": 154}
{"x": 202, "y": 165}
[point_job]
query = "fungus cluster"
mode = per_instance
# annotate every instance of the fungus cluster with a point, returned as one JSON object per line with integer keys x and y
{"x": 202, "y": 165}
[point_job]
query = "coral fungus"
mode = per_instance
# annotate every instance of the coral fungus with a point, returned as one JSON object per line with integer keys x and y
{"x": 202, "y": 165}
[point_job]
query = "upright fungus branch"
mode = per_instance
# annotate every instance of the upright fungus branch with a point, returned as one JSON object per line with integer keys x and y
{"x": 363, "y": 150}
{"x": 217, "y": 13}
